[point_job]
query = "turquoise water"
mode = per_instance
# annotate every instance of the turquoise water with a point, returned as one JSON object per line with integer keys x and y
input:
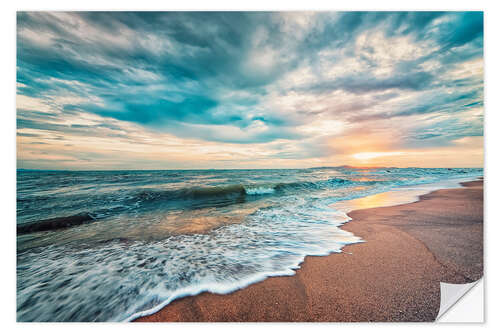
{"x": 154, "y": 236}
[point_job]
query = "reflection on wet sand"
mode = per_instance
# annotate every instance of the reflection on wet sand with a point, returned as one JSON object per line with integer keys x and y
{"x": 391, "y": 198}
{"x": 377, "y": 200}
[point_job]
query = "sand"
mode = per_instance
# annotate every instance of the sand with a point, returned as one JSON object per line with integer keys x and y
{"x": 393, "y": 276}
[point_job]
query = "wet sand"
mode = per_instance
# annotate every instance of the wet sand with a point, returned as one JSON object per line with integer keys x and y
{"x": 393, "y": 276}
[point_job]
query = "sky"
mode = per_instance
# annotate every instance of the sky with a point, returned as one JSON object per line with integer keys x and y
{"x": 198, "y": 90}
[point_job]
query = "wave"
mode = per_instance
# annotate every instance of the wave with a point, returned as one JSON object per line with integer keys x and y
{"x": 238, "y": 190}
{"x": 190, "y": 197}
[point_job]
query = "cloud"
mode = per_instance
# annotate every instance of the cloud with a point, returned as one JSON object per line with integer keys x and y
{"x": 249, "y": 77}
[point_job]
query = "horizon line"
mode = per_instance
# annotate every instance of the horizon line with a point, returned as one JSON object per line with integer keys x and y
{"x": 220, "y": 169}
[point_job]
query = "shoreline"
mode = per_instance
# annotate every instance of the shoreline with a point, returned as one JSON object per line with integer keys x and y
{"x": 393, "y": 276}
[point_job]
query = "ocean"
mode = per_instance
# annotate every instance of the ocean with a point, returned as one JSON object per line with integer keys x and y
{"x": 140, "y": 239}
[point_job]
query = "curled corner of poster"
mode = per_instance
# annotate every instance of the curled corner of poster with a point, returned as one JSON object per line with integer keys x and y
{"x": 462, "y": 303}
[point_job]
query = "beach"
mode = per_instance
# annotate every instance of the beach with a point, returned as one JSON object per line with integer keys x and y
{"x": 393, "y": 276}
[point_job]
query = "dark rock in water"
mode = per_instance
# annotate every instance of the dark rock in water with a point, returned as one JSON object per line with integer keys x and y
{"x": 55, "y": 223}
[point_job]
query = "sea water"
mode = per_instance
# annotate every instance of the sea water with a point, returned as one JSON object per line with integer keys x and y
{"x": 155, "y": 236}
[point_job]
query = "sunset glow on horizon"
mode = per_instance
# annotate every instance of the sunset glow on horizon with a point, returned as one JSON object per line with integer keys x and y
{"x": 371, "y": 155}
{"x": 194, "y": 90}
